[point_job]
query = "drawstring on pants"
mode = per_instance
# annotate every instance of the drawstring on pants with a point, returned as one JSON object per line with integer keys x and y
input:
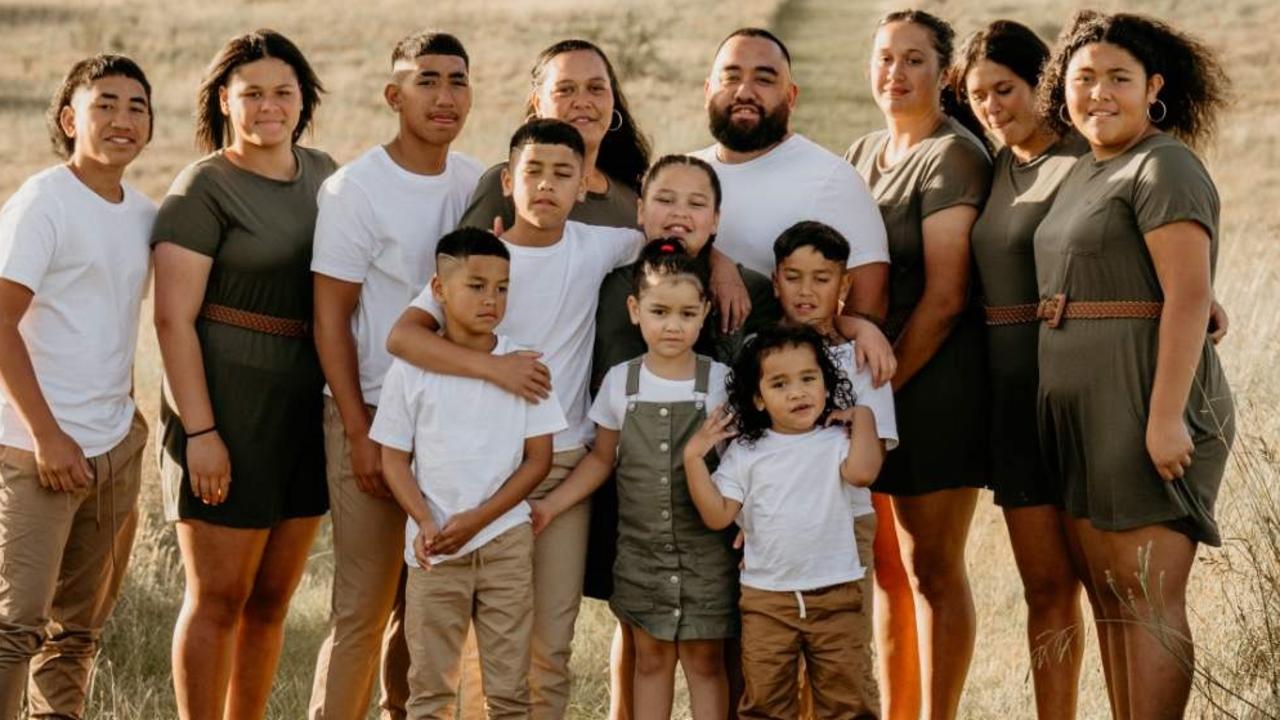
{"x": 111, "y": 499}
{"x": 800, "y": 602}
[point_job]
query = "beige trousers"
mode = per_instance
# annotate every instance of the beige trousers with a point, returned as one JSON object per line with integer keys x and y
{"x": 559, "y": 561}
{"x": 366, "y": 606}
{"x": 491, "y": 590}
{"x": 62, "y": 559}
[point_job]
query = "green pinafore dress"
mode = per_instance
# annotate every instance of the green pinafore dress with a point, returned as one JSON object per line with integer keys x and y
{"x": 674, "y": 577}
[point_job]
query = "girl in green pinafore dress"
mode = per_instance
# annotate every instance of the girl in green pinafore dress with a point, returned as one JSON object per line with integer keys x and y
{"x": 675, "y": 582}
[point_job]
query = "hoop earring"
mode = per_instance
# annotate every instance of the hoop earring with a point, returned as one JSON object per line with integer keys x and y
{"x": 618, "y": 117}
{"x": 1164, "y": 112}
{"x": 1066, "y": 120}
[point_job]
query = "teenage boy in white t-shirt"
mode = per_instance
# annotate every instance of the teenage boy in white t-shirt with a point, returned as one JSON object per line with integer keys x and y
{"x": 74, "y": 264}
{"x": 556, "y": 270}
{"x": 479, "y": 452}
{"x": 376, "y": 232}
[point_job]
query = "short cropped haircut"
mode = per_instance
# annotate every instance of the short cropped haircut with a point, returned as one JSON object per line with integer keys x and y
{"x": 213, "y": 131}
{"x": 824, "y": 239}
{"x": 471, "y": 242}
{"x": 429, "y": 42}
{"x": 83, "y": 74}
{"x": 547, "y": 131}
{"x": 756, "y": 32}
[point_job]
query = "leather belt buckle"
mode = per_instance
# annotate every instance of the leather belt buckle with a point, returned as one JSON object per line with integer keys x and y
{"x": 1051, "y": 309}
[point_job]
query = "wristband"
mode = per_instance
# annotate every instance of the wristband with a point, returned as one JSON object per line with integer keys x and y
{"x": 206, "y": 431}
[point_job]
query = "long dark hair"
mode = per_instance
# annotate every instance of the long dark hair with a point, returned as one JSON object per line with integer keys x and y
{"x": 944, "y": 39}
{"x": 1195, "y": 86}
{"x": 744, "y": 378}
{"x": 624, "y": 152}
{"x": 1006, "y": 43}
{"x": 212, "y": 129}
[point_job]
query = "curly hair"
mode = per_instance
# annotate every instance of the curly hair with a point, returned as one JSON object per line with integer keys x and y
{"x": 624, "y": 152}
{"x": 744, "y": 378}
{"x": 1195, "y": 89}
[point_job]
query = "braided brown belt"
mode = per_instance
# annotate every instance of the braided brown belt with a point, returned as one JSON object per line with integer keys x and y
{"x": 1053, "y": 310}
{"x": 269, "y": 324}
{"x": 1011, "y": 314}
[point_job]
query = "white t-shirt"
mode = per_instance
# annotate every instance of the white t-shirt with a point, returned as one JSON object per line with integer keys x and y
{"x": 87, "y": 261}
{"x": 467, "y": 437}
{"x": 378, "y": 225}
{"x": 610, "y": 406}
{"x": 795, "y": 513}
{"x": 551, "y": 308}
{"x": 880, "y": 401}
{"x": 797, "y": 180}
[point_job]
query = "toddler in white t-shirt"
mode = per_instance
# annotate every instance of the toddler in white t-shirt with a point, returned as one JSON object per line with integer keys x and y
{"x": 460, "y": 455}
{"x": 783, "y": 481}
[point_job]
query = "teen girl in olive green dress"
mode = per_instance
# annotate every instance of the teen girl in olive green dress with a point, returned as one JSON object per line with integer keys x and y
{"x": 1135, "y": 414}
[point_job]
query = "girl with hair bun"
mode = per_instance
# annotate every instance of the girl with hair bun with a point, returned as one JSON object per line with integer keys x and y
{"x": 1136, "y": 418}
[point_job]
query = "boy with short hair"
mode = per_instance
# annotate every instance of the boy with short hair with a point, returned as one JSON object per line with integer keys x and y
{"x": 74, "y": 264}
{"x": 556, "y": 270}
{"x": 376, "y": 231}
{"x": 479, "y": 452}
{"x": 810, "y": 280}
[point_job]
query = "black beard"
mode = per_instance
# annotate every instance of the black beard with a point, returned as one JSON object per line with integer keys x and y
{"x": 768, "y": 131}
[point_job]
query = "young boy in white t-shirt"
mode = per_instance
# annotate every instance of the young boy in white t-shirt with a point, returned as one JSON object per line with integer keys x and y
{"x": 74, "y": 265}
{"x": 376, "y": 231}
{"x": 460, "y": 455}
{"x": 556, "y": 270}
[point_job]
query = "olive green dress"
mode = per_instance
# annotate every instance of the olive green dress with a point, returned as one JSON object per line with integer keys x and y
{"x": 674, "y": 578}
{"x": 942, "y": 423}
{"x": 266, "y": 390}
{"x": 616, "y": 207}
{"x": 617, "y": 341}
{"x": 1096, "y": 375}
{"x": 1001, "y": 240}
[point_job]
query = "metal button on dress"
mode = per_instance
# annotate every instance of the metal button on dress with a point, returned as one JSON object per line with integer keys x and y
{"x": 669, "y": 547}
{"x": 666, "y": 514}
{"x": 676, "y": 612}
{"x": 663, "y": 480}
{"x": 675, "y": 579}
{"x": 663, "y": 446}
{"x": 664, "y": 412}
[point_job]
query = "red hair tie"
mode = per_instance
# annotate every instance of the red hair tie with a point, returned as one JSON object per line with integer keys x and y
{"x": 668, "y": 248}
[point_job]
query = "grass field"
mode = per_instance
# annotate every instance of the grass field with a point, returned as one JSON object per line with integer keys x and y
{"x": 662, "y": 49}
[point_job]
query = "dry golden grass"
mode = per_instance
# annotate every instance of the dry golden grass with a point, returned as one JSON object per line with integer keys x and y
{"x": 663, "y": 48}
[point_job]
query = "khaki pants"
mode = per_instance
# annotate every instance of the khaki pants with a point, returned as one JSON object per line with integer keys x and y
{"x": 559, "y": 561}
{"x": 366, "y": 611}
{"x": 62, "y": 559}
{"x": 493, "y": 586}
{"x": 832, "y": 638}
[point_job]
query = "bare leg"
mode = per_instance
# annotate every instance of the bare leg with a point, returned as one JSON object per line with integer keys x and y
{"x": 1109, "y": 619}
{"x": 260, "y": 636}
{"x": 622, "y": 670}
{"x": 655, "y": 676}
{"x": 219, "y": 564}
{"x": 933, "y": 530}
{"x": 1095, "y": 604}
{"x": 703, "y": 664}
{"x": 1052, "y": 591}
{"x": 897, "y": 648}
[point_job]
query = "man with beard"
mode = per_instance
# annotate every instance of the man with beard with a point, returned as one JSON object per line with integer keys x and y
{"x": 774, "y": 178}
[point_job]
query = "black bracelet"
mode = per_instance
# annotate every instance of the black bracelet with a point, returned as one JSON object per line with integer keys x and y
{"x": 206, "y": 431}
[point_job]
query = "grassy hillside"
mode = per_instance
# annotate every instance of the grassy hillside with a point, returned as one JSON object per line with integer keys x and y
{"x": 662, "y": 48}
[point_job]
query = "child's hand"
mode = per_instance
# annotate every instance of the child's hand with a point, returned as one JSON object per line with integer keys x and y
{"x": 521, "y": 373}
{"x": 871, "y": 349}
{"x": 717, "y": 428}
{"x": 739, "y": 541}
{"x": 458, "y": 531}
{"x": 540, "y": 515}
{"x": 842, "y": 417}
{"x": 423, "y": 544}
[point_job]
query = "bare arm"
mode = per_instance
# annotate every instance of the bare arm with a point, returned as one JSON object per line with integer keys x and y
{"x": 1180, "y": 253}
{"x": 414, "y": 339}
{"x": 870, "y": 346}
{"x": 398, "y": 472}
{"x": 717, "y": 511}
{"x": 335, "y": 302}
{"x": 60, "y": 462}
{"x": 866, "y": 450}
{"x": 946, "y": 287}
{"x": 586, "y": 478}
{"x": 869, "y": 292}
{"x": 730, "y": 292}
{"x": 533, "y": 469}
{"x": 180, "y": 279}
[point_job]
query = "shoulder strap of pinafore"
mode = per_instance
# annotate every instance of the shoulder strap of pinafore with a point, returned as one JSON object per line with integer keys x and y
{"x": 633, "y": 376}
{"x": 702, "y": 375}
